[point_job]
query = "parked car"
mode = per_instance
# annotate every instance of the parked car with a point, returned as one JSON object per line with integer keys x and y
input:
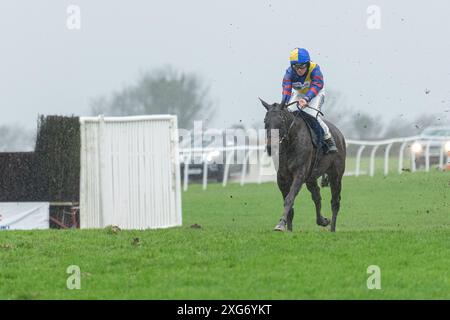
{"x": 211, "y": 152}
{"x": 439, "y": 139}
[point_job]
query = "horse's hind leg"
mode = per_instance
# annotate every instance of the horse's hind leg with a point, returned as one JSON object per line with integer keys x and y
{"x": 336, "y": 185}
{"x": 313, "y": 187}
{"x": 325, "y": 181}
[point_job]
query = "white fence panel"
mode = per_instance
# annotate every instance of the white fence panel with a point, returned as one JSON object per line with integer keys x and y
{"x": 130, "y": 172}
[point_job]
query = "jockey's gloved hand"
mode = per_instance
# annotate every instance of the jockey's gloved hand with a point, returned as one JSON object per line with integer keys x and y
{"x": 302, "y": 103}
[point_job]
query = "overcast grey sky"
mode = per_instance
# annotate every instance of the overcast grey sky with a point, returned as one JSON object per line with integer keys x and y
{"x": 240, "y": 48}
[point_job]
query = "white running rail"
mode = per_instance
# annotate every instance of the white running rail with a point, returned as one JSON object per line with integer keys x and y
{"x": 264, "y": 171}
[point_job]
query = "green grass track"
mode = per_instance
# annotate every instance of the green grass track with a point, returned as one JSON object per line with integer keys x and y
{"x": 400, "y": 223}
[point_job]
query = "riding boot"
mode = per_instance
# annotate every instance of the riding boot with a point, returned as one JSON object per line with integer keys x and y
{"x": 331, "y": 145}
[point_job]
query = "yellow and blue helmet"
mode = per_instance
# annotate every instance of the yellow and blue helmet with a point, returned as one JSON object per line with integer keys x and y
{"x": 299, "y": 56}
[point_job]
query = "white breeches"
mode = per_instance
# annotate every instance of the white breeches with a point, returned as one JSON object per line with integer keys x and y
{"x": 316, "y": 103}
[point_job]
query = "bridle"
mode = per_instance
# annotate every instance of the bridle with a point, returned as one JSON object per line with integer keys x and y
{"x": 283, "y": 119}
{"x": 288, "y": 130}
{"x": 293, "y": 120}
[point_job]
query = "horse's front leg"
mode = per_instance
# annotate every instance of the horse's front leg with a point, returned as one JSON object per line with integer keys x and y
{"x": 289, "y": 201}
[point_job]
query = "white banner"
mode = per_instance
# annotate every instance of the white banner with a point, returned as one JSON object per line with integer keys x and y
{"x": 24, "y": 215}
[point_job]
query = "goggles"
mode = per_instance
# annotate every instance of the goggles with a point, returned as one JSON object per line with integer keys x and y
{"x": 300, "y": 66}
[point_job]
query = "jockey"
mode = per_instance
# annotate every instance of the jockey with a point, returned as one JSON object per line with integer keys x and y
{"x": 303, "y": 82}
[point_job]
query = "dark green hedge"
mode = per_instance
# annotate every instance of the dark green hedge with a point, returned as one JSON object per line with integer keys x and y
{"x": 52, "y": 172}
{"x": 18, "y": 177}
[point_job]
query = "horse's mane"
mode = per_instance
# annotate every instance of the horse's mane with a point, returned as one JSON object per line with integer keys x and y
{"x": 288, "y": 115}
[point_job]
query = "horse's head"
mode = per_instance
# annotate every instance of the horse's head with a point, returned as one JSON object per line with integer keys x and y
{"x": 274, "y": 123}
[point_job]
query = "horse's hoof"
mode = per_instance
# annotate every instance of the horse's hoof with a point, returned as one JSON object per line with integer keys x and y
{"x": 323, "y": 222}
{"x": 281, "y": 226}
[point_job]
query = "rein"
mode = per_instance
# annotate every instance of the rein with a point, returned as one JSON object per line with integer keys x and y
{"x": 307, "y": 106}
{"x": 287, "y": 132}
{"x": 316, "y": 158}
{"x": 292, "y": 124}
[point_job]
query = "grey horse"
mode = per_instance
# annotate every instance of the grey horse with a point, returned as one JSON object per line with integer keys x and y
{"x": 299, "y": 162}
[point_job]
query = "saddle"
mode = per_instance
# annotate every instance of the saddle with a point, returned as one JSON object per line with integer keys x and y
{"x": 315, "y": 129}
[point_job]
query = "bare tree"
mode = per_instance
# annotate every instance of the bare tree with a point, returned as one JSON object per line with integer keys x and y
{"x": 401, "y": 126}
{"x": 163, "y": 91}
{"x": 354, "y": 124}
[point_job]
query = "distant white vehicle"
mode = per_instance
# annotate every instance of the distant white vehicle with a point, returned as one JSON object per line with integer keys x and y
{"x": 215, "y": 158}
{"x": 439, "y": 145}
